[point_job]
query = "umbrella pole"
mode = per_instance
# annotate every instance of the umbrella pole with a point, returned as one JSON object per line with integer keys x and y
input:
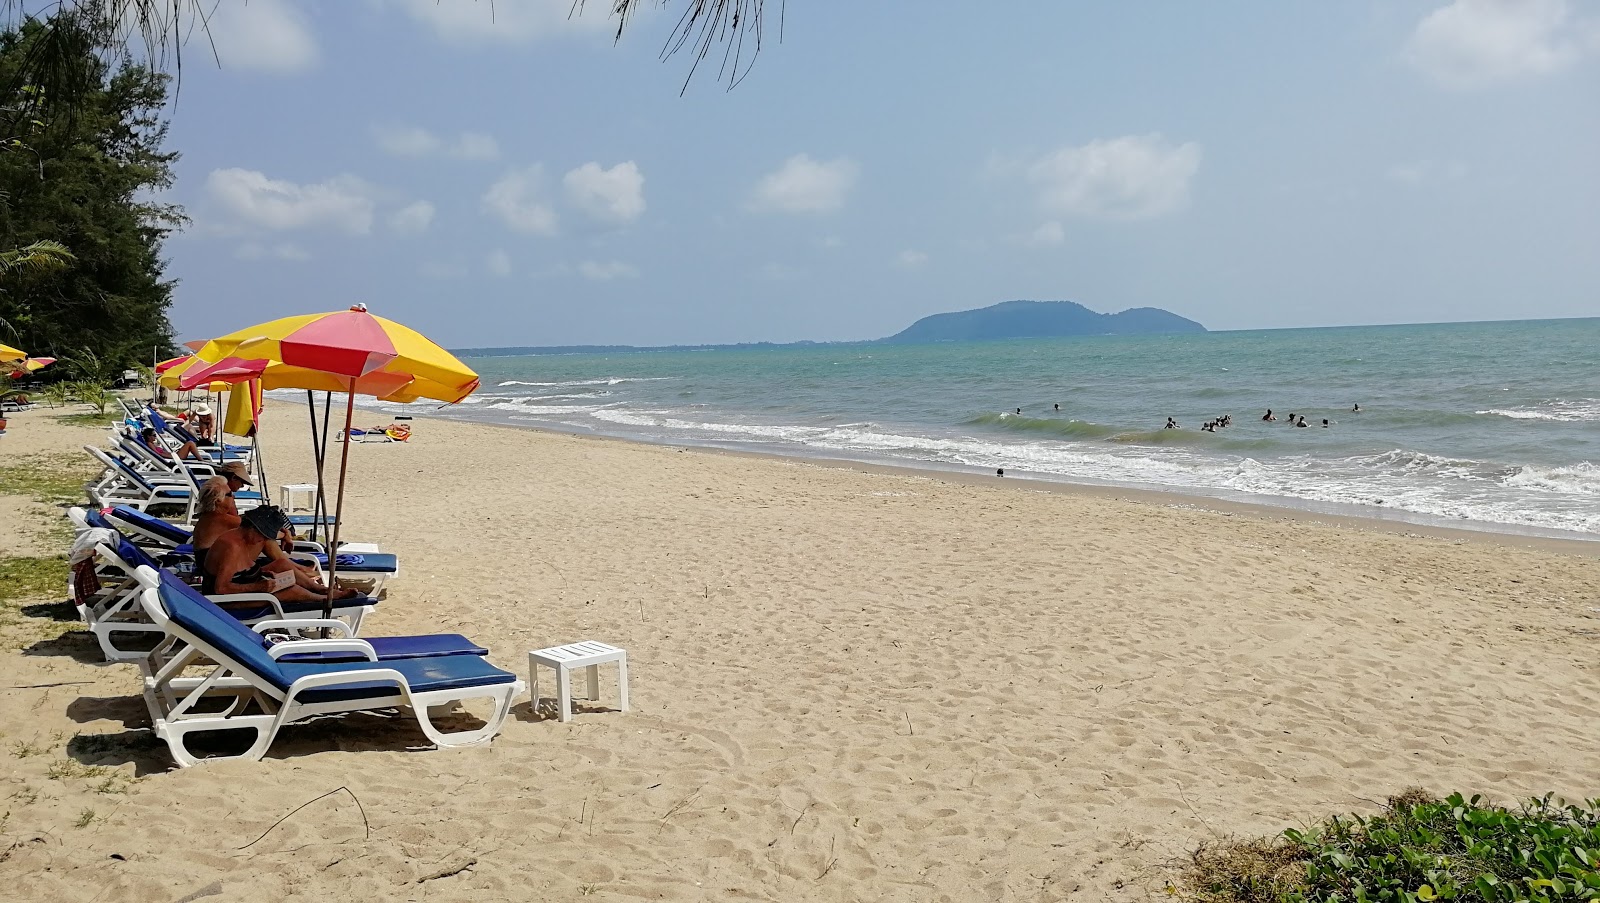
{"x": 338, "y": 506}
{"x": 316, "y": 456}
{"x": 322, "y": 455}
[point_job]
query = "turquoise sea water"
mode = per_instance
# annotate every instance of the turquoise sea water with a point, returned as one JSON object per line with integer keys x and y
{"x": 1482, "y": 424}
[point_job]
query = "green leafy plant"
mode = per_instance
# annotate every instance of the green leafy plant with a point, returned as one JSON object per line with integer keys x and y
{"x": 1418, "y": 850}
{"x": 57, "y": 394}
{"x": 94, "y": 394}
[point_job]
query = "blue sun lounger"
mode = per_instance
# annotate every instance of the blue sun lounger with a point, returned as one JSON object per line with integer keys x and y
{"x": 376, "y": 568}
{"x": 262, "y": 693}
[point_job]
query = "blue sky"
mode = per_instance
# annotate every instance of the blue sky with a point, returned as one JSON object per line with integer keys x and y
{"x": 513, "y": 177}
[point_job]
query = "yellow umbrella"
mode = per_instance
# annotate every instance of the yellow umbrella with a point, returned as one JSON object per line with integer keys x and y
{"x": 364, "y": 354}
{"x": 9, "y": 355}
{"x": 325, "y": 351}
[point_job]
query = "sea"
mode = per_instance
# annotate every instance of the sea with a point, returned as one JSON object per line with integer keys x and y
{"x": 1493, "y": 426}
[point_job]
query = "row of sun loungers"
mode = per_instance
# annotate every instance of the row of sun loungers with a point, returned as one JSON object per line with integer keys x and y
{"x": 221, "y": 665}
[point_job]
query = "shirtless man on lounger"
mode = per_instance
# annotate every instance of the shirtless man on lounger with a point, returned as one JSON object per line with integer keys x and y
{"x": 233, "y": 564}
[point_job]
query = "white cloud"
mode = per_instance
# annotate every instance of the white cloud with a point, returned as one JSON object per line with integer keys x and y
{"x": 614, "y": 195}
{"x": 1424, "y": 172}
{"x": 251, "y": 250}
{"x": 412, "y": 219}
{"x": 475, "y": 146}
{"x": 407, "y": 141}
{"x": 1127, "y": 178}
{"x": 1475, "y": 42}
{"x": 515, "y": 200}
{"x": 499, "y": 262}
{"x": 606, "y": 271}
{"x": 263, "y": 35}
{"x": 415, "y": 141}
{"x": 343, "y": 203}
{"x": 1048, "y": 233}
{"x": 830, "y": 242}
{"x": 910, "y": 259}
{"x": 520, "y": 21}
{"x": 804, "y": 185}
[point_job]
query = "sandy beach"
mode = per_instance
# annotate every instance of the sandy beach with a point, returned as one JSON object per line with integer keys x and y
{"x": 847, "y": 684}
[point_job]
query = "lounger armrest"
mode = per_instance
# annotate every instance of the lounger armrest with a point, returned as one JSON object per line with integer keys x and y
{"x": 301, "y": 647}
{"x": 313, "y": 548}
{"x": 224, "y": 599}
{"x": 357, "y": 676}
{"x": 302, "y": 624}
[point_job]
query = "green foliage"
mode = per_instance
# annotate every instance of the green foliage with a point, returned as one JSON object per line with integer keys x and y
{"x": 1419, "y": 850}
{"x": 92, "y": 367}
{"x": 57, "y": 394}
{"x": 39, "y": 257}
{"x": 79, "y": 167}
{"x": 94, "y": 394}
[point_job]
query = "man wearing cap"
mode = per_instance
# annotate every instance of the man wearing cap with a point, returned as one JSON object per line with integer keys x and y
{"x": 234, "y": 565}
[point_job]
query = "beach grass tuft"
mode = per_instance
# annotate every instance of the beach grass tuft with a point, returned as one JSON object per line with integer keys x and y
{"x": 1420, "y": 849}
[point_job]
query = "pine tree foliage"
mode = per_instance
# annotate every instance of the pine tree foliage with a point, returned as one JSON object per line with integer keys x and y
{"x": 82, "y": 171}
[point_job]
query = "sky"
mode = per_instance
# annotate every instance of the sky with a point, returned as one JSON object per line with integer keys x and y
{"x": 506, "y": 174}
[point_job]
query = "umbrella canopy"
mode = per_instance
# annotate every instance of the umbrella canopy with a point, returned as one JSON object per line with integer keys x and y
{"x": 9, "y": 355}
{"x": 348, "y": 351}
{"x": 399, "y": 363}
{"x": 31, "y": 365}
{"x": 381, "y": 384}
{"x": 171, "y": 371}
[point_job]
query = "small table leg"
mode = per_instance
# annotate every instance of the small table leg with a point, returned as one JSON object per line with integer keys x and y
{"x": 564, "y": 693}
{"x": 622, "y": 684}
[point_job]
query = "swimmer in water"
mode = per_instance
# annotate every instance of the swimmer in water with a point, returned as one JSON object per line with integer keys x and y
{"x": 1019, "y": 410}
{"x": 1324, "y": 423}
{"x": 1301, "y": 421}
{"x": 1058, "y": 405}
{"x": 1356, "y": 409}
{"x": 1171, "y": 424}
{"x": 1268, "y": 418}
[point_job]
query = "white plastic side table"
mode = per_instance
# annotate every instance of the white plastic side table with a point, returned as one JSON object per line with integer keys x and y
{"x": 589, "y": 655}
{"x": 288, "y": 491}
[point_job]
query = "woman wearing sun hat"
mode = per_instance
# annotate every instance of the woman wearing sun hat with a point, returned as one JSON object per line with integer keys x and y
{"x": 204, "y": 422}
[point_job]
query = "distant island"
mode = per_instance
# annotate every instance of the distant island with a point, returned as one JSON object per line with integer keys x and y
{"x": 1040, "y": 320}
{"x": 1006, "y": 320}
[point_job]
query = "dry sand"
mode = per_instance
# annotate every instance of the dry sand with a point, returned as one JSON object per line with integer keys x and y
{"x": 847, "y": 685}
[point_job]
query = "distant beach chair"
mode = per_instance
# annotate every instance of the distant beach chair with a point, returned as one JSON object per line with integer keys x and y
{"x": 262, "y": 693}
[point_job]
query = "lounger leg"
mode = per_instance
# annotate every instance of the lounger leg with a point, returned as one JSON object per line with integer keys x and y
{"x": 622, "y": 684}
{"x": 533, "y": 681}
{"x": 594, "y": 682}
{"x": 563, "y": 693}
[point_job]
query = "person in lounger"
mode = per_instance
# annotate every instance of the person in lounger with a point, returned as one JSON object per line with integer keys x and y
{"x": 233, "y": 563}
{"x": 188, "y": 452}
{"x": 204, "y": 422}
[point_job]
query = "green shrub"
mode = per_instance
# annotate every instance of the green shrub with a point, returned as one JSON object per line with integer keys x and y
{"x": 94, "y": 394}
{"x": 1419, "y": 850}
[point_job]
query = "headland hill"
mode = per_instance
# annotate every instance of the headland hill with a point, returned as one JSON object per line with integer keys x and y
{"x": 1006, "y": 320}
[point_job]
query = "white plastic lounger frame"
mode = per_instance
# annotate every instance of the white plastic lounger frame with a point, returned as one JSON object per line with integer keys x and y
{"x": 116, "y": 612}
{"x": 136, "y": 490}
{"x": 180, "y": 706}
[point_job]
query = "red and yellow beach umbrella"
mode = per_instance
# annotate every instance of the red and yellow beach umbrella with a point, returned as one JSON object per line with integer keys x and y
{"x": 325, "y": 351}
{"x": 20, "y": 369}
{"x": 348, "y": 351}
{"x": 9, "y": 355}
